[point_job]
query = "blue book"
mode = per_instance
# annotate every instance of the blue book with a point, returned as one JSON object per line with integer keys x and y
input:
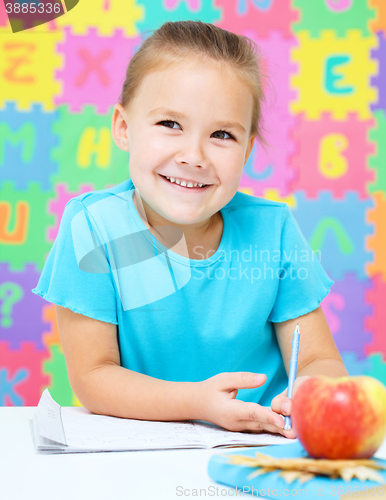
{"x": 271, "y": 485}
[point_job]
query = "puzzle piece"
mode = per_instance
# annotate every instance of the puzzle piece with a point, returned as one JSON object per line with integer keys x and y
{"x": 345, "y": 309}
{"x": 378, "y": 161}
{"x": 377, "y": 241}
{"x": 336, "y": 229}
{"x": 26, "y": 139}
{"x": 87, "y": 151}
{"x": 26, "y": 241}
{"x": 377, "y": 321}
{"x": 334, "y": 75}
{"x": 332, "y": 155}
{"x": 377, "y": 367}
{"x": 276, "y": 63}
{"x": 55, "y": 368}
{"x": 21, "y": 380}
{"x": 337, "y": 15}
{"x": 106, "y": 16}
{"x": 379, "y": 80}
{"x": 379, "y": 23}
{"x": 27, "y": 67}
{"x": 177, "y": 10}
{"x": 94, "y": 69}
{"x": 269, "y": 169}
{"x": 20, "y": 310}
{"x": 4, "y": 21}
{"x": 273, "y": 194}
{"x": 56, "y": 207}
{"x": 354, "y": 366}
{"x": 51, "y": 336}
{"x": 264, "y": 16}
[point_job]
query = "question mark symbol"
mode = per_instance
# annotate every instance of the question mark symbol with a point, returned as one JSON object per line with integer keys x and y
{"x": 10, "y": 293}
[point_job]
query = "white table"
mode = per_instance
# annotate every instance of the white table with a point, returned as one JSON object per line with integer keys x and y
{"x": 138, "y": 475}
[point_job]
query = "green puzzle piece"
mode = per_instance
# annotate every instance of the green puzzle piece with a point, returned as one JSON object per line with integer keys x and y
{"x": 60, "y": 388}
{"x": 338, "y": 15}
{"x": 32, "y": 245}
{"x": 87, "y": 153}
{"x": 378, "y": 161}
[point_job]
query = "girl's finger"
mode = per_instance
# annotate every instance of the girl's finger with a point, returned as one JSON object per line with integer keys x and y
{"x": 241, "y": 380}
{"x": 252, "y": 412}
{"x": 260, "y": 428}
{"x": 281, "y": 404}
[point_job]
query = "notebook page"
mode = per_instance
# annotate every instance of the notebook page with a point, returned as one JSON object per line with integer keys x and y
{"x": 217, "y": 436}
{"x": 49, "y": 418}
{"x": 86, "y": 430}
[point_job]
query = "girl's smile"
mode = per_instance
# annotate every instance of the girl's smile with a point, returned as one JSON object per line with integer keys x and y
{"x": 183, "y": 186}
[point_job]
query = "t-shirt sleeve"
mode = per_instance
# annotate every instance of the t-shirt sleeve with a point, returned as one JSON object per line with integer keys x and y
{"x": 303, "y": 283}
{"x": 77, "y": 274}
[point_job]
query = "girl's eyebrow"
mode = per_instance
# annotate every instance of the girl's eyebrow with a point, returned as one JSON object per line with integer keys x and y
{"x": 180, "y": 116}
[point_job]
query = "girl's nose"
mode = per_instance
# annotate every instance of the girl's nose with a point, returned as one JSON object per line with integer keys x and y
{"x": 192, "y": 155}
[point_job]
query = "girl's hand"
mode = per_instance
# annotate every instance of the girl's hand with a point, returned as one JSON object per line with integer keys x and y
{"x": 283, "y": 405}
{"x": 220, "y": 406}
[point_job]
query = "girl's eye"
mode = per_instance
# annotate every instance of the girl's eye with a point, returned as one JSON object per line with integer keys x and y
{"x": 167, "y": 121}
{"x": 223, "y": 132}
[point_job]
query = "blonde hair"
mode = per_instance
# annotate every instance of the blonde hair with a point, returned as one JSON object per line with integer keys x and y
{"x": 174, "y": 42}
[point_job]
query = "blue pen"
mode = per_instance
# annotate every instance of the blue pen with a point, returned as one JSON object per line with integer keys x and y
{"x": 292, "y": 371}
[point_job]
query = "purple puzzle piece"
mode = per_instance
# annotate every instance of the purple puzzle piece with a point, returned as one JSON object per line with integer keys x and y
{"x": 379, "y": 81}
{"x": 20, "y": 309}
{"x": 345, "y": 309}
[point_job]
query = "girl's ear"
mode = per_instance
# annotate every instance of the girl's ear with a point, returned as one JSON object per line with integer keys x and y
{"x": 119, "y": 127}
{"x": 251, "y": 142}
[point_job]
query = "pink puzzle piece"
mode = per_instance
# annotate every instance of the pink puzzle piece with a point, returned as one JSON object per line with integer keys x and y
{"x": 332, "y": 155}
{"x": 57, "y": 206}
{"x": 275, "y": 51}
{"x": 22, "y": 381}
{"x": 263, "y": 15}
{"x": 269, "y": 169}
{"x": 376, "y": 323}
{"x": 94, "y": 68}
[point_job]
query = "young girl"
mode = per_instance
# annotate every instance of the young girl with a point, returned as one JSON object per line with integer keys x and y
{"x": 176, "y": 295}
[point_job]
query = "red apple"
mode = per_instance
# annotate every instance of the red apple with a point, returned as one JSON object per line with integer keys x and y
{"x": 340, "y": 418}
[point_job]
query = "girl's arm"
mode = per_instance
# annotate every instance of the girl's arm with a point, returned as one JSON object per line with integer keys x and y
{"x": 318, "y": 354}
{"x": 104, "y": 387}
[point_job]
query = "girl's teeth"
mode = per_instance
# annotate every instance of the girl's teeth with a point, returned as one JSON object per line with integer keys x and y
{"x": 183, "y": 183}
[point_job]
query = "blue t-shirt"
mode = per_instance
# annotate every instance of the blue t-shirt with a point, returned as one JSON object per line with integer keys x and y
{"x": 181, "y": 319}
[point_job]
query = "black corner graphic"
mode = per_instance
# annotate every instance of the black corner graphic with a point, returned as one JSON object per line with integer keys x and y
{"x": 25, "y": 15}
{"x": 70, "y": 4}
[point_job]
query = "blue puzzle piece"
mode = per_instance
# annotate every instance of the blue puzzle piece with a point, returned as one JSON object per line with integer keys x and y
{"x": 154, "y": 18}
{"x": 26, "y": 141}
{"x": 338, "y": 230}
{"x": 353, "y": 365}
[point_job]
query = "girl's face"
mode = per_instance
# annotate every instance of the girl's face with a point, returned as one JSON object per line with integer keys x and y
{"x": 190, "y": 122}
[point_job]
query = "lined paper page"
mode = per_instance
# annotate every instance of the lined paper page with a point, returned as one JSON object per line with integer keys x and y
{"x": 84, "y": 429}
{"x": 216, "y": 436}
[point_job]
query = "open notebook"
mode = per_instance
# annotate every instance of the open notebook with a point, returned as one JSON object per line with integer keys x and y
{"x": 57, "y": 429}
